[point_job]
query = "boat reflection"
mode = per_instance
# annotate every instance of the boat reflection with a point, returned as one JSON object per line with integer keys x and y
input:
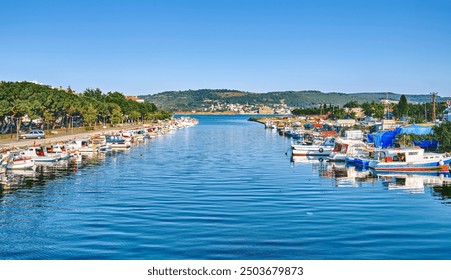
{"x": 414, "y": 183}
{"x": 343, "y": 175}
{"x": 43, "y": 172}
{"x": 307, "y": 159}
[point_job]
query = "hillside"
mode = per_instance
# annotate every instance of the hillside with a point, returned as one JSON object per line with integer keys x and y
{"x": 204, "y": 98}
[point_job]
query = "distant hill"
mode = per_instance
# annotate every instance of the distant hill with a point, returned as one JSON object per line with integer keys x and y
{"x": 188, "y": 100}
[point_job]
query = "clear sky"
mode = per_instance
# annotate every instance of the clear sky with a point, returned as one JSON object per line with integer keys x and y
{"x": 142, "y": 47}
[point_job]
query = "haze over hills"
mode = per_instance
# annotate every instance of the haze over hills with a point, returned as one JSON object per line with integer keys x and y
{"x": 198, "y": 100}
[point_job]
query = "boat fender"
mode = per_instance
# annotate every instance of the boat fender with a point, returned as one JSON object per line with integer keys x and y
{"x": 441, "y": 162}
{"x": 321, "y": 150}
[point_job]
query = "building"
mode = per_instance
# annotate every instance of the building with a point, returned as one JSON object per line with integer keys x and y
{"x": 135, "y": 98}
{"x": 345, "y": 122}
{"x": 447, "y": 112}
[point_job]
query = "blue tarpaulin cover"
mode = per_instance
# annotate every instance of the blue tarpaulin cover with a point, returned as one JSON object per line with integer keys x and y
{"x": 427, "y": 144}
{"x": 416, "y": 129}
{"x": 386, "y": 139}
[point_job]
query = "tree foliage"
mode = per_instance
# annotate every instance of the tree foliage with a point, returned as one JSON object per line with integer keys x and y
{"x": 442, "y": 133}
{"x": 55, "y": 106}
{"x": 403, "y": 106}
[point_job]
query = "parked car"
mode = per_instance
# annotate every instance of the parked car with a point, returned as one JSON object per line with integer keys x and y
{"x": 33, "y": 134}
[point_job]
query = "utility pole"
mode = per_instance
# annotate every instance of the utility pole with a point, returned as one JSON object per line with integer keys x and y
{"x": 434, "y": 95}
{"x": 425, "y": 112}
{"x": 386, "y": 106}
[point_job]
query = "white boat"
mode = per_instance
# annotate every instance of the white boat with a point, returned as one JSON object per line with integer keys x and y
{"x": 346, "y": 147}
{"x": 39, "y": 154}
{"x": 409, "y": 160}
{"x": 323, "y": 149}
{"x": 99, "y": 143}
{"x": 82, "y": 146}
{"x": 16, "y": 161}
{"x": 118, "y": 142}
{"x": 58, "y": 150}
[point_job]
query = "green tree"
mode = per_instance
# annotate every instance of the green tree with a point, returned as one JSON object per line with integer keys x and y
{"x": 116, "y": 113}
{"x": 135, "y": 115}
{"x": 378, "y": 111}
{"x": 351, "y": 104}
{"x": 89, "y": 114}
{"x": 367, "y": 109}
{"x": 442, "y": 135}
{"x": 403, "y": 107}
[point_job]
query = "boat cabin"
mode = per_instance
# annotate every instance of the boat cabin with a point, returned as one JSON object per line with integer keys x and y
{"x": 401, "y": 155}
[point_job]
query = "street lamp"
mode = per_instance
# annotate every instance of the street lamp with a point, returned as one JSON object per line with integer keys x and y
{"x": 17, "y": 128}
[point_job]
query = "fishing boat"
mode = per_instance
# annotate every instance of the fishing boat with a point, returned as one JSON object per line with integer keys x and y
{"x": 59, "y": 151}
{"x": 83, "y": 146}
{"x": 99, "y": 142}
{"x": 39, "y": 154}
{"x": 409, "y": 160}
{"x": 118, "y": 142}
{"x": 323, "y": 149}
{"x": 344, "y": 148}
{"x": 15, "y": 161}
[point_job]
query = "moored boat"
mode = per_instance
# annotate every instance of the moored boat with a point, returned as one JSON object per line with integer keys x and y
{"x": 39, "y": 154}
{"x": 16, "y": 161}
{"x": 344, "y": 148}
{"x": 409, "y": 160}
{"x": 118, "y": 142}
{"x": 323, "y": 149}
{"x": 59, "y": 151}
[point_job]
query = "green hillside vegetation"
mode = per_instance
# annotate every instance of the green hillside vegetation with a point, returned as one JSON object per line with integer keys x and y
{"x": 57, "y": 108}
{"x": 199, "y": 99}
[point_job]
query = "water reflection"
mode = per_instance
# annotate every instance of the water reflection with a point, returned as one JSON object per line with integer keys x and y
{"x": 414, "y": 183}
{"x": 42, "y": 172}
{"x": 351, "y": 176}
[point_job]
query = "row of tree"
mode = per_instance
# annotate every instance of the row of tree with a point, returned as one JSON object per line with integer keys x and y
{"x": 56, "y": 107}
{"x": 415, "y": 113}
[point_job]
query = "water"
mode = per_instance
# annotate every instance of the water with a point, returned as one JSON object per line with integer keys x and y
{"x": 224, "y": 189}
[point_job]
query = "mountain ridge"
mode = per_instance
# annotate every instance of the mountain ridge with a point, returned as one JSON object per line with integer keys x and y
{"x": 187, "y": 100}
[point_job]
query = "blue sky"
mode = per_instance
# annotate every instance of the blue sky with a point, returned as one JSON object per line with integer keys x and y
{"x": 142, "y": 47}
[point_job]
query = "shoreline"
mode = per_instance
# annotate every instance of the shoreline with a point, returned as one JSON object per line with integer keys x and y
{"x": 62, "y": 136}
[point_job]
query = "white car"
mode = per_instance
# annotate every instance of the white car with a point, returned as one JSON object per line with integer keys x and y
{"x": 33, "y": 134}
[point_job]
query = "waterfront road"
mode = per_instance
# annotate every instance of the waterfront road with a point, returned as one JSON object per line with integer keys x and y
{"x": 59, "y": 136}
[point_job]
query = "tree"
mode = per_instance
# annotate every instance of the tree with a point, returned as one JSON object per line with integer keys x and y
{"x": 378, "y": 110}
{"x": 135, "y": 115}
{"x": 90, "y": 114}
{"x": 403, "y": 106}
{"x": 367, "y": 109}
{"x": 116, "y": 113}
{"x": 55, "y": 107}
{"x": 441, "y": 134}
{"x": 351, "y": 104}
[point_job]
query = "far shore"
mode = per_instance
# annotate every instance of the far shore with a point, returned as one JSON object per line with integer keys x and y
{"x": 214, "y": 113}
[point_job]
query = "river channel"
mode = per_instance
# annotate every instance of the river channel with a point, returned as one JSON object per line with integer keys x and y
{"x": 223, "y": 189}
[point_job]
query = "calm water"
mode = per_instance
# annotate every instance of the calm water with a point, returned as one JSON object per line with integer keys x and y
{"x": 224, "y": 189}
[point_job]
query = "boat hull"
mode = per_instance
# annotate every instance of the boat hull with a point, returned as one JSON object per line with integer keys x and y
{"x": 434, "y": 166}
{"x": 21, "y": 166}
